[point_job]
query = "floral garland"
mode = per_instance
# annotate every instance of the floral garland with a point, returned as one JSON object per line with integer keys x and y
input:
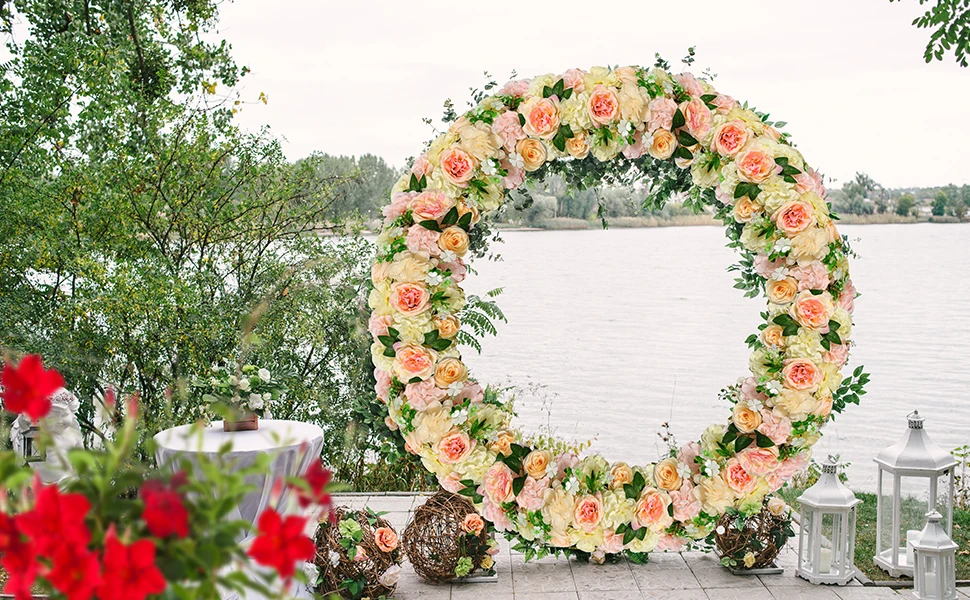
{"x": 724, "y": 155}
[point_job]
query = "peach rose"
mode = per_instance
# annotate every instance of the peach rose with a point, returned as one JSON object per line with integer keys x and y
{"x": 464, "y": 209}
{"x": 837, "y": 354}
{"x": 380, "y": 271}
{"x": 498, "y": 483}
{"x": 756, "y": 164}
{"x": 621, "y": 474}
{"x": 745, "y": 209}
{"x": 507, "y": 127}
{"x": 781, "y": 291}
{"x": 801, "y": 374}
{"x": 663, "y": 145}
{"x": 697, "y": 117}
{"x": 386, "y": 539}
{"x": 651, "y": 510}
{"x": 578, "y": 146}
{"x": 457, "y": 166}
{"x": 775, "y": 426}
{"x": 759, "y": 461}
{"x": 724, "y": 104}
{"x": 745, "y": 419}
{"x": 533, "y": 153}
{"x": 377, "y": 324}
{"x": 541, "y": 117}
{"x": 473, "y": 523}
{"x": 454, "y": 239}
{"x": 666, "y": 475}
{"x": 794, "y": 217}
{"x": 422, "y": 166}
{"x": 423, "y": 394}
{"x": 455, "y": 447}
{"x": 729, "y": 138}
{"x": 447, "y": 326}
{"x": 503, "y": 442}
{"x": 603, "y": 105}
{"x": 773, "y": 336}
{"x": 430, "y": 205}
{"x": 811, "y": 311}
{"x": 588, "y": 513}
{"x": 450, "y": 370}
{"x": 737, "y": 478}
{"x": 414, "y": 360}
{"x": 536, "y": 463}
{"x": 410, "y": 298}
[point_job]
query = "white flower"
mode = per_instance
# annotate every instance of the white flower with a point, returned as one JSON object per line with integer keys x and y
{"x": 755, "y": 404}
{"x": 683, "y": 470}
{"x": 391, "y": 576}
{"x": 515, "y": 159}
{"x": 773, "y": 388}
{"x": 490, "y": 167}
{"x": 267, "y": 396}
{"x": 244, "y": 385}
{"x": 459, "y": 417}
{"x": 255, "y": 401}
{"x": 447, "y": 256}
{"x": 455, "y": 388}
{"x": 264, "y": 375}
{"x": 433, "y": 278}
{"x": 311, "y": 572}
{"x": 711, "y": 468}
{"x": 334, "y": 558}
{"x": 781, "y": 246}
{"x": 572, "y": 485}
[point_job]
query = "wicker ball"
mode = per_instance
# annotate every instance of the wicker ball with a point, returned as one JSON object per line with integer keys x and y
{"x": 435, "y": 540}
{"x": 762, "y": 534}
{"x": 336, "y": 569}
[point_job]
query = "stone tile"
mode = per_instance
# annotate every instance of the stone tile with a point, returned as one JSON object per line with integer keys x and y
{"x": 667, "y": 560}
{"x": 738, "y": 594}
{"x": 784, "y": 580}
{"x": 699, "y": 560}
{"x": 611, "y": 595}
{"x": 483, "y": 591}
{"x": 697, "y": 594}
{"x": 534, "y": 578}
{"x": 664, "y": 579}
{"x": 867, "y": 593}
{"x": 722, "y": 578}
{"x": 812, "y": 592}
{"x": 609, "y": 577}
{"x": 548, "y": 596}
{"x": 963, "y": 592}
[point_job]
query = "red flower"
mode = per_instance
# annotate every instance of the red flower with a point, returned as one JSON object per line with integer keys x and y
{"x": 21, "y": 583}
{"x": 317, "y": 478}
{"x": 129, "y": 571}
{"x": 27, "y": 388}
{"x": 281, "y": 542}
{"x": 76, "y": 572}
{"x": 165, "y": 513}
{"x": 18, "y": 559}
{"x": 57, "y": 519}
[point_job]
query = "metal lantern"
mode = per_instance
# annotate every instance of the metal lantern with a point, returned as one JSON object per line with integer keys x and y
{"x": 826, "y": 539}
{"x": 915, "y": 477}
{"x": 33, "y": 449}
{"x": 935, "y": 564}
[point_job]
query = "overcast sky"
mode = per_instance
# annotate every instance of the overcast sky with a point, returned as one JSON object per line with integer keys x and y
{"x": 353, "y": 77}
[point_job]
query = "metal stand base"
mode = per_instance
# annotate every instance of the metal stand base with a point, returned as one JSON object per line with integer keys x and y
{"x": 475, "y": 578}
{"x": 774, "y": 569}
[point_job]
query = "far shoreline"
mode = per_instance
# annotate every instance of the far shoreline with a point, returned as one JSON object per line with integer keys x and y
{"x": 567, "y": 224}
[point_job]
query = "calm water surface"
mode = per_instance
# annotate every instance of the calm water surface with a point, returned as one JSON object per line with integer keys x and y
{"x": 630, "y": 328}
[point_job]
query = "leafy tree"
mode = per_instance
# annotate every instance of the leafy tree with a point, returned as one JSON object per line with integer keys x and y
{"x": 939, "y": 204}
{"x": 905, "y": 205}
{"x": 950, "y": 22}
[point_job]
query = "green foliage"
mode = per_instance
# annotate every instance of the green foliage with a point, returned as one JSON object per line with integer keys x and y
{"x": 478, "y": 319}
{"x": 950, "y": 22}
{"x": 905, "y": 204}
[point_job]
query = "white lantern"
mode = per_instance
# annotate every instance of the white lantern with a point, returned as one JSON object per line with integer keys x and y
{"x": 826, "y": 538}
{"x": 915, "y": 477}
{"x": 935, "y": 575}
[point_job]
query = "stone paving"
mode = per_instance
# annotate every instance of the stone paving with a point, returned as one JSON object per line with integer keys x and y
{"x": 668, "y": 576}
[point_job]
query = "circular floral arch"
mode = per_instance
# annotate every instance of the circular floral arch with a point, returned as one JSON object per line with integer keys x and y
{"x": 605, "y": 126}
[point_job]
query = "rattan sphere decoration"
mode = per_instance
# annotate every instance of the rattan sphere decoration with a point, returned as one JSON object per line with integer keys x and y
{"x": 357, "y": 555}
{"x": 447, "y": 538}
{"x": 753, "y": 542}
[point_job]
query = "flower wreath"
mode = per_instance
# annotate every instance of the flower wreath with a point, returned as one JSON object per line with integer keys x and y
{"x": 593, "y": 127}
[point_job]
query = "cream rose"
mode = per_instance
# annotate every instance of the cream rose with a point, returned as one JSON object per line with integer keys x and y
{"x": 745, "y": 209}
{"x": 454, "y": 239}
{"x": 715, "y": 495}
{"x": 449, "y": 371}
{"x": 745, "y": 419}
{"x": 533, "y": 153}
{"x": 541, "y": 117}
{"x": 781, "y": 291}
{"x": 664, "y": 145}
{"x": 502, "y": 444}
{"x": 667, "y": 475}
{"x": 447, "y": 326}
{"x": 578, "y": 146}
{"x": 414, "y": 361}
{"x": 756, "y": 163}
{"x": 774, "y": 336}
{"x": 777, "y": 506}
{"x": 621, "y": 474}
{"x": 536, "y": 463}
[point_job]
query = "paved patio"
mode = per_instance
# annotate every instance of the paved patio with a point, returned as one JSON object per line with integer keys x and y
{"x": 687, "y": 576}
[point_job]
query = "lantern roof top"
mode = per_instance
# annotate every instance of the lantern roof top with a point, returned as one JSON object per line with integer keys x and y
{"x": 915, "y": 451}
{"x": 828, "y": 491}
{"x": 933, "y": 536}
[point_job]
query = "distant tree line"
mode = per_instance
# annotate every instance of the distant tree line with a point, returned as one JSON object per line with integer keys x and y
{"x": 865, "y": 196}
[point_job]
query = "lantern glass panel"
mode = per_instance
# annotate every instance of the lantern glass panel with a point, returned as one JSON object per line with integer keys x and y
{"x": 885, "y": 533}
{"x": 807, "y": 541}
{"x": 832, "y": 559}
{"x": 942, "y": 502}
{"x": 914, "y": 503}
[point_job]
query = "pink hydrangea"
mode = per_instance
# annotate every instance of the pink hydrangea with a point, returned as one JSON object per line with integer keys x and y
{"x": 662, "y": 111}
{"x": 398, "y": 206}
{"x": 814, "y": 276}
{"x": 457, "y": 268}
{"x": 566, "y": 460}
{"x": 533, "y": 494}
{"x": 775, "y": 426}
{"x": 378, "y": 324}
{"x": 686, "y": 503}
{"x": 383, "y": 387}
{"x": 810, "y": 180}
{"x": 688, "y": 452}
{"x": 612, "y": 543}
{"x": 749, "y": 390}
{"x": 637, "y": 148}
{"x": 837, "y": 354}
{"x": 423, "y": 240}
{"x": 516, "y": 87}
{"x": 724, "y": 104}
{"x": 423, "y": 394}
{"x": 472, "y": 391}
{"x": 690, "y": 84}
{"x": 496, "y": 515}
{"x": 765, "y": 267}
{"x": 451, "y": 482}
{"x": 670, "y": 543}
{"x": 847, "y": 297}
{"x": 507, "y": 127}
{"x": 514, "y": 177}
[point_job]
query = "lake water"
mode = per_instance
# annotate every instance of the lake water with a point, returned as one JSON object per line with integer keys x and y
{"x": 629, "y": 328}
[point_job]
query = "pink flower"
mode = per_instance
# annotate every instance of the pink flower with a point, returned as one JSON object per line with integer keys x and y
{"x": 756, "y": 164}
{"x": 516, "y": 87}
{"x": 794, "y": 217}
{"x": 730, "y": 137}
{"x": 662, "y": 111}
{"x": 455, "y": 447}
{"x": 410, "y": 299}
{"x": 383, "y": 387}
{"x": 566, "y": 460}
{"x": 430, "y": 205}
{"x": 749, "y": 390}
{"x": 457, "y": 166}
{"x": 651, "y": 510}
{"x": 801, "y": 374}
{"x": 688, "y": 452}
{"x": 472, "y": 391}
{"x": 737, "y": 478}
{"x": 457, "y": 268}
{"x": 637, "y": 148}
{"x": 498, "y": 483}
{"x": 690, "y": 84}
{"x": 603, "y": 105}
{"x": 612, "y": 543}
{"x": 588, "y": 513}
{"x": 697, "y": 117}
{"x": 451, "y": 482}
{"x": 423, "y": 394}
{"x": 723, "y": 196}
{"x": 814, "y": 276}
{"x": 724, "y": 104}
{"x": 838, "y": 354}
{"x": 573, "y": 78}
{"x": 687, "y": 504}
{"x": 541, "y": 117}
{"x": 473, "y": 523}
{"x": 810, "y": 180}
{"x": 787, "y": 470}
{"x": 847, "y": 297}
{"x": 670, "y": 543}
{"x": 533, "y": 494}
{"x": 759, "y": 461}
{"x": 813, "y": 312}
{"x": 494, "y": 513}
{"x": 514, "y": 177}
{"x": 421, "y": 166}
{"x": 422, "y": 239}
{"x": 506, "y": 126}
{"x": 378, "y": 324}
{"x": 775, "y": 426}
{"x": 398, "y": 206}
{"x": 765, "y": 267}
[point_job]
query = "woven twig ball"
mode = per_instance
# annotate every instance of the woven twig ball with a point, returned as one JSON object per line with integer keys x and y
{"x": 437, "y": 538}
{"x": 366, "y": 555}
{"x": 763, "y": 535}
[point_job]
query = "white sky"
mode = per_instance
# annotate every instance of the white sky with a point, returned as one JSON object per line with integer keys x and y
{"x": 352, "y": 77}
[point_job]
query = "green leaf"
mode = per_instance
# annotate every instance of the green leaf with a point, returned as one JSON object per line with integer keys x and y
{"x": 679, "y": 120}
{"x": 431, "y": 336}
{"x": 441, "y": 344}
{"x": 517, "y": 485}
{"x": 683, "y": 153}
{"x": 764, "y": 441}
{"x": 686, "y": 139}
{"x": 387, "y": 340}
{"x": 451, "y": 217}
{"x": 430, "y": 224}
{"x": 742, "y": 442}
{"x": 389, "y": 352}
{"x": 708, "y": 98}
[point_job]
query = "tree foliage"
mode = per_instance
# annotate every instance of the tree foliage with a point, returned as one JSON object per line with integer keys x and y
{"x": 949, "y": 21}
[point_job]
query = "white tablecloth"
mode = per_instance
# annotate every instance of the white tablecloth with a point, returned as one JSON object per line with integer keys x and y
{"x": 293, "y": 446}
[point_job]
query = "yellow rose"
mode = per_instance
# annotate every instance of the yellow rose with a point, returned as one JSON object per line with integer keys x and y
{"x": 716, "y": 496}
{"x": 587, "y": 542}
{"x": 479, "y": 141}
{"x": 844, "y": 319}
{"x": 447, "y": 326}
{"x": 487, "y": 563}
{"x": 382, "y": 362}
{"x": 536, "y": 463}
{"x": 454, "y": 239}
{"x": 745, "y": 209}
{"x": 781, "y": 291}
{"x": 745, "y": 419}
{"x": 503, "y": 443}
{"x": 633, "y": 104}
{"x": 449, "y": 371}
{"x": 606, "y": 151}
{"x": 533, "y": 153}
{"x": 622, "y": 475}
{"x": 408, "y": 267}
{"x": 663, "y": 145}
{"x": 773, "y": 335}
{"x": 578, "y": 146}
{"x": 810, "y": 245}
{"x": 667, "y": 476}
{"x": 558, "y": 511}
